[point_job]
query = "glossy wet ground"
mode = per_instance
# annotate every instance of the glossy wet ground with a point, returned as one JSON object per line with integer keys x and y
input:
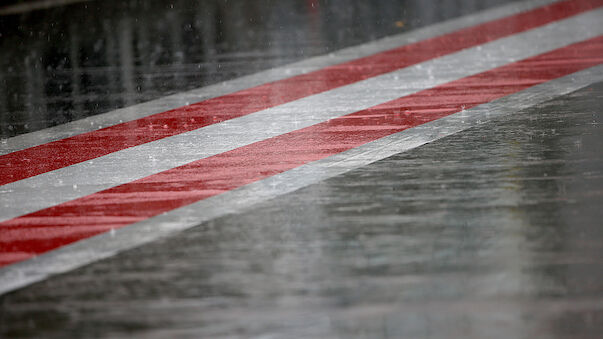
{"x": 112, "y": 54}
{"x": 493, "y": 232}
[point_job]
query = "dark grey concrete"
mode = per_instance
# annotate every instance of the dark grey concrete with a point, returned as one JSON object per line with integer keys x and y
{"x": 494, "y": 232}
{"x": 69, "y": 62}
{"x": 491, "y": 233}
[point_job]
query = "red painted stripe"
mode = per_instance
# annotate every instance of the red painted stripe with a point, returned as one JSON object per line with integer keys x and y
{"x": 62, "y": 153}
{"x": 48, "y": 229}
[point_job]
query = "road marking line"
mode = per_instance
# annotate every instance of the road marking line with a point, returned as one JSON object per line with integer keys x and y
{"x": 120, "y": 167}
{"x": 163, "y": 104}
{"x": 300, "y": 151}
{"x": 26, "y": 236}
{"x": 21, "y": 164}
{"x": 105, "y": 245}
{"x": 33, "y": 6}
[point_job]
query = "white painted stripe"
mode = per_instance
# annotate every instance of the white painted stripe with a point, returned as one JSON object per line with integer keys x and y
{"x": 49, "y": 189}
{"x": 130, "y": 113}
{"x": 36, "y": 5}
{"x": 109, "y": 244}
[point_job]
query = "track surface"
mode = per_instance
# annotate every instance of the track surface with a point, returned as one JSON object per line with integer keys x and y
{"x": 440, "y": 183}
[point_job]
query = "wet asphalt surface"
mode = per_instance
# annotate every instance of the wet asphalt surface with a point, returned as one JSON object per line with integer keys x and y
{"x": 490, "y": 233}
{"x": 70, "y": 62}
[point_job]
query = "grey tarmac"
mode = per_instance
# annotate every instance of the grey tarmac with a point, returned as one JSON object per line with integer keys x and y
{"x": 487, "y": 228}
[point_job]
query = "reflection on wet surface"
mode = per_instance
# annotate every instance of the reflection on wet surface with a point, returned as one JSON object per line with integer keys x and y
{"x": 490, "y": 233}
{"x": 112, "y": 54}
